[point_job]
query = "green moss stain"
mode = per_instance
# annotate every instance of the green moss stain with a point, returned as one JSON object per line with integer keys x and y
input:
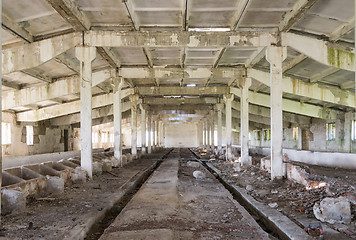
{"x": 47, "y": 88}
{"x": 341, "y": 59}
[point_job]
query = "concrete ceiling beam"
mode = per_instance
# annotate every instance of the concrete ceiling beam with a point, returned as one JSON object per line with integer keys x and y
{"x": 142, "y": 72}
{"x": 327, "y": 53}
{"x": 181, "y": 91}
{"x": 342, "y": 29}
{"x": 179, "y": 101}
{"x": 71, "y": 13}
{"x": 31, "y": 55}
{"x": 68, "y": 86}
{"x": 178, "y": 39}
{"x": 289, "y": 105}
{"x": 314, "y": 91}
{"x": 293, "y": 16}
{"x": 15, "y": 28}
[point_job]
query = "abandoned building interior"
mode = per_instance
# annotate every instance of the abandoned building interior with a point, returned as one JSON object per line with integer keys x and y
{"x": 178, "y": 119}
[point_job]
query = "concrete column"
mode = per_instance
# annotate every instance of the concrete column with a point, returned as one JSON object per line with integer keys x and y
{"x": 212, "y": 130}
{"x": 275, "y": 56}
{"x": 153, "y": 134}
{"x": 86, "y": 55}
{"x": 119, "y": 82}
{"x": 206, "y": 135}
{"x": 219, "y": 108}
{"x": 143, "y": 128}
{"x": 157, "y": 133}
{"x": 228, "y": 100}
{"x": 149, "y": 130}
{"x": 347, "y": 131}
{"x": 0, "y": 114}
{"x": 134, "y": 100}
{"x": 244, "y": 131}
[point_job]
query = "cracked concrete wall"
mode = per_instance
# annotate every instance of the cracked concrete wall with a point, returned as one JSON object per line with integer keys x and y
{"x": 46, "y": 139}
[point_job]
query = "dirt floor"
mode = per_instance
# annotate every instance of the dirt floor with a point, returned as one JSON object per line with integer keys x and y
{"x": 49, "y": 219}
{"x": 293, "y": 199}
{"x": 173, "y": 204}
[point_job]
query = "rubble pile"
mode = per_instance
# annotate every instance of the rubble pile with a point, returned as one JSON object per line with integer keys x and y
{"x": 331, "y": 202}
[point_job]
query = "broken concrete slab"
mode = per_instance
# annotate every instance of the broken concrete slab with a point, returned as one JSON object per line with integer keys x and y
{"x": 107, "y": 165}
{"x": 333, "y": 210}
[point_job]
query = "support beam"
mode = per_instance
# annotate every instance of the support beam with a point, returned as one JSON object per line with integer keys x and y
{"x": 66, "y": 108}
{"x": 32, "y": 55}
{"x": 71, "y": 13}
{"x": 321, "y": 51}
{"x": 143, "y": 128}
{"x": 119, "y": 82}
{"x": 179, "y": 101}
{"x": 10, "y": 84}
{"x": 228, "y": 100}
{"x": 244, "y": 133}
{"x": 343, "y": 29}
{"x": 178, "y": 39}
{"x": 297, "y": 12}
{"x": 86, "y": 55}
{"x": 290, "y": 105}
{"x": 98, "y": 113}
{"x": 314, "y": 91}
{"x": 256, "y": 57}
{"x": 275, "y": 56}
{"x": 134, "y": 101}
{"x": 158, "y": 73}
{"x": 68, "y": 86}
{"x": 14, "y": 28}
{"x": 239, "y": 13}
{"x": 181, "y": 91}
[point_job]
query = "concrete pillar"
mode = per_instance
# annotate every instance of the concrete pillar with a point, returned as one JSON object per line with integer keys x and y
{"x": 219, "y": 108}
{"x": 212, "y": 130}
{"x": 228, "y": 101}
{"x": 153, "y": 124}
{"x": 245, "y": 84}
{"x": 134, "y": 100}
{"x": 200, "y": 134}
{"x": 86, "y": 55}
{"x": 143, "y": 128}
{"x": 347, "y": 131}
{"x": 206, "y": 135}
{"x": 157, "y": 133}
{"x": 275, "y": 56}
{"x": 119, "y": 82}
{"x": 0, "y": 115}
{"x": 149, "y": 130}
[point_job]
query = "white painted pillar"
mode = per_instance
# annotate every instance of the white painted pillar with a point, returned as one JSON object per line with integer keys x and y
{"x": 153, "y": 134}
{"x": 275, "y": 56}
{"x": 228, "y": 100}
{"x": 157, "y": 133}
{"x": 86, "y": 55}
{"x": 134, "y": 100}
{"x": 219, "y": 108}
{"x": 245, "y": 84}
{"x": 0, "y": 114}
{"x": 149, "y": 129}
{"x": 212, "y": 130}
{"x": 347, "y": 131}
{"x": 119, "y": 82}
{"x": 143, "y": 128}
{"x": 206, "y": 145}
